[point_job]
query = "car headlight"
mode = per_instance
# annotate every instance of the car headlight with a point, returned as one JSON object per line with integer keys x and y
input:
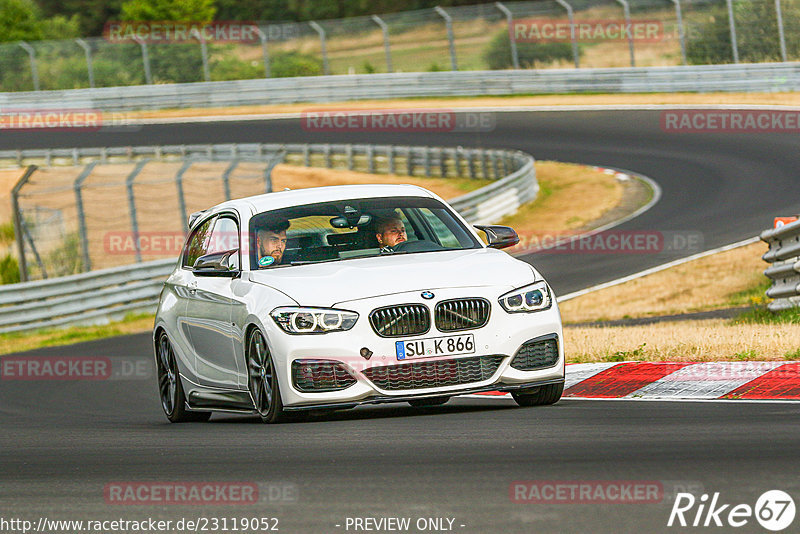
{"x": 294, "y": 320}
{"x": 535, "y": 297}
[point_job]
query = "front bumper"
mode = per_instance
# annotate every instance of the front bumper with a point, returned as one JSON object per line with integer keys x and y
{"x": 503, "y": 336}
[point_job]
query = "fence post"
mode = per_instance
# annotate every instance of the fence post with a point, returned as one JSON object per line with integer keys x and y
{"x": 511, "y": 37}
{"x": 370, "y": 159}
{"x": 306, "y": 155}
{"x": 681, "y": 32}
{"x": 274, "y": 160}
{"x": 87, "y": 263}
{"x": 319, "y": 29}
{"x": 148, "y": 75}
{"x": 427, "y": 161}
{"x": 226, "y": 177}
{"x": 264, "y": 52}
{"x": 781, "y": 36}
{"x": 89, "y": 67}
{"x": 409, "y": 161}
{"x": 204, "y": 54}
{"x": 348, "y": 150}
{"x": 732, "y": 25}
{"x": 132, "y": 206}
{"x": 572, "y": 37}
{"x": 627, "y": 10}
{"x": 181, "y": 199}
{"x": 34, "y": 69}
{"x": 386, "y": 46}
{"x": 443, "y": 162}
{"x": 448, "y": 22}
{"x": 23, "y": 265}
{"x": 390, "y": 159}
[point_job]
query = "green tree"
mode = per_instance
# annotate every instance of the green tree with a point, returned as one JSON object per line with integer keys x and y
{"x": 178, "y": 10}
{"x": 756, "y": 33}
{"x": 19, "y": 21}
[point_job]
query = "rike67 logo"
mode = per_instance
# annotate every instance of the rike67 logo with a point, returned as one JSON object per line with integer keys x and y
{"x": 774, "y": 510}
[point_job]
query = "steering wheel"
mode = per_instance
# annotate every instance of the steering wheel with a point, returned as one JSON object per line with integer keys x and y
{"x": 422, "y": 245}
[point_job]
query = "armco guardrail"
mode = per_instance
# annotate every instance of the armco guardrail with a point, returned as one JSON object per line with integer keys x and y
{"x": 97, "y": 295}
{"x": 784, "y": 255}
{"x": 760, "y": 77}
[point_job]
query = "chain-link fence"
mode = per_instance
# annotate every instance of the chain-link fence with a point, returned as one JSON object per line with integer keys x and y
{"x": 545, "y": 34}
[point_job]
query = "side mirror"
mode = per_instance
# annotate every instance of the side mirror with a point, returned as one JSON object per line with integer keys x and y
{"x": 218, "y": 264}
{"x": 499, "y": 236}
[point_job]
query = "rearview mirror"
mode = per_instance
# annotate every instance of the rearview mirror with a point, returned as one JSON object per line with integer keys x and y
{"x": 499, "y": 236}
{"x": 217, "y": 264}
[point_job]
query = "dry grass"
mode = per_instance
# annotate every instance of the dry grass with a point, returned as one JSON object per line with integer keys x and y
{"x": 698, "y": 341}
{"x": 678, "y": 99}
{"x": 705, "y": 284}
{"x": 571, "y": 196}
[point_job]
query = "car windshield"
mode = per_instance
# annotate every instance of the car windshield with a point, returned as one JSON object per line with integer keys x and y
{"x": 357, "y": 228}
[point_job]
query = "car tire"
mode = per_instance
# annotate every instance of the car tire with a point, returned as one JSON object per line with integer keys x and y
{"x": 262, "y": 380}
{"x": 539, "y": 396}
{"x": 170, "y": 389}
{"x": 432, "y": 401}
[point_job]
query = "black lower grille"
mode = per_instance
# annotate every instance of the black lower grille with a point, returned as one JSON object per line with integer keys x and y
{"x": 401, "y": 320}
{"x": 320, "y": 375}
{"x": 431, "y": 374}
{"x": 538, "y": 353}
{"x": 461, "y": 314}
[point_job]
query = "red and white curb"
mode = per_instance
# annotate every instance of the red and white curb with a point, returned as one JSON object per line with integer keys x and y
{"x": 682, "y": 380}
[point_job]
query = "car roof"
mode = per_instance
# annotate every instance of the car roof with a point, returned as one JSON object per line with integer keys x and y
{"x": 299, "y": 197}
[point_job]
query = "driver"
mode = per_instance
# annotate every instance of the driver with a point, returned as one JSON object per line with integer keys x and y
{"x": 389, "y": 232}
{"x": 272, "y": 243}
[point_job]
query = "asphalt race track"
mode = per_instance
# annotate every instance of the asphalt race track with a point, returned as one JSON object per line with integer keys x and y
{"x": 63, "y": 442}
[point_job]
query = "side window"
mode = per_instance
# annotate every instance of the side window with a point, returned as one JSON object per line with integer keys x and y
{"x": 224, "y": 237}
{"x": 197, "y": 244}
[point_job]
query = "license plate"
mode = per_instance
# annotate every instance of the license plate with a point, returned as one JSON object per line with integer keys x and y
{"x": 435, "y": 346}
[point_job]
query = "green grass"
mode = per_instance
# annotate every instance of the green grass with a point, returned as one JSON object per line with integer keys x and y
{"x": 761, "y": 315}
{"x": 753, "y": 296}
{"x": 51, "y": 337}
{"x": 792, "y": 355}
{"x": 625, "y": 355}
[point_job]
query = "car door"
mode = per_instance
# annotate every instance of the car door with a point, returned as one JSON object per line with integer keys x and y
{"x": 209, "y": 312}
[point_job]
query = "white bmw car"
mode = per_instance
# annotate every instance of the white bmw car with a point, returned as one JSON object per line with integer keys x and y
{"x": 333, "y": 297}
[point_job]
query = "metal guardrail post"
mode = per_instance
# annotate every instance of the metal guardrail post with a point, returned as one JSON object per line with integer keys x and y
{"x": 148, "y": 74}
{"x": 87, "y": 262}
{"x": 264, "y": 52}
{"x": 572, "y": 37}
{"x": 511, "y": 37}
{"x": 386, "y": 46}
{"x": 627, "y": 11}
{"x": 326, "y": 149}
{"x": 226, "y": 177}
{"x": 34, "y": 69}
{"x": 471, "y": 164}
{"x": 732, "y": 25}
{"x": 18, "y": 223}
{"x": 132, "y": 206}
{"x": 348, "y": 150}
{"x": 781, "y": 36}
{"x": 89, "y": 67}
{"x": 427, "y": 161}
{"x": 484, "y": 165}
{"x": 181, "y": 199}
{"x": 448, "y": 22}
{"x": 321, "y": 31}
{"x": 409, "y": 161}
{"x": 443, "y": 162}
